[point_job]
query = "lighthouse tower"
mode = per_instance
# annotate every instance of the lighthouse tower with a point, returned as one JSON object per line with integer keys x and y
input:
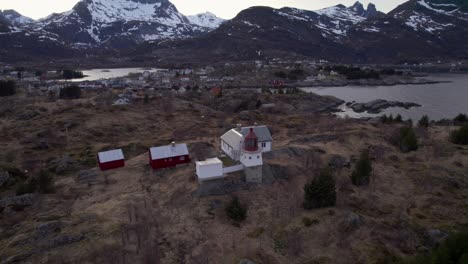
{"x": 251, "y": 158}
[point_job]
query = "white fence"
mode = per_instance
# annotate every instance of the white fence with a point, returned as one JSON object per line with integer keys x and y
{"x": 232, "y": 169}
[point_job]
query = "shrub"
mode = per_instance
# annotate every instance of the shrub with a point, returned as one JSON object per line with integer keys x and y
{"x": 424, "y": 121}
{"x": 281, "y": 74}
{"x": 362, "y": 171}
{"x": 408, "y": 139}
{"x": 320, "y": 192}
{"x": 71, "y": 74}
{"x": 309, "y": 222}
{"x": 460, "y": 136}
{"x": 45, "y": 182}
{"x": 453, "y": 250}
{"x": 26, "y": 187}
{"x": 236, "y": 211}
{"x": 7, "y": 88}
{"x": 70, "y": 92}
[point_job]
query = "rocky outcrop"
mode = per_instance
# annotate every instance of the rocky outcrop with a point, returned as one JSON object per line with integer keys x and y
{"x": 4, "y": 177}
{"x": 87, "y": 177}
{"x": 377, "y": 106}
{"x": 20, "y": 201}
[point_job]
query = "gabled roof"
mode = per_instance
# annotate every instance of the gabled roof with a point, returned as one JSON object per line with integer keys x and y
{"x": 232, "y": 138}
{"x": 262, "y": 132}
{"x": 111, "y": 155}
{"x": 169, "y": 151}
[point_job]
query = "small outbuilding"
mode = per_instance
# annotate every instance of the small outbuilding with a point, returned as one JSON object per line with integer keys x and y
{"x": 168, "y": 156}
{"x": 111, "y": 159}
{"x": 209, "y": 169}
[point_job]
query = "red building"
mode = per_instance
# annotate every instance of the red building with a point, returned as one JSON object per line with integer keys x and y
{"x": 111, "y": 159}
{"x": 168, "y": 156}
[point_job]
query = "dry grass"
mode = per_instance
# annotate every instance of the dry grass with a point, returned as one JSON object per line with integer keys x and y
{"x": 138, "y": 215}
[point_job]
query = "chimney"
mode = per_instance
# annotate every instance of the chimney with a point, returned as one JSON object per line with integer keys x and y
{"x": 173, "y": 144}
{"x": 255, "y": 124}
{"x": 239, "y": 127}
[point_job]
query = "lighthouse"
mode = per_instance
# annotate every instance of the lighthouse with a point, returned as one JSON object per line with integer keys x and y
{"x": 251, "y": 158}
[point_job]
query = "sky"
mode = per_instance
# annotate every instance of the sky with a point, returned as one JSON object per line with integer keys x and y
{"x": 223, "y": 8}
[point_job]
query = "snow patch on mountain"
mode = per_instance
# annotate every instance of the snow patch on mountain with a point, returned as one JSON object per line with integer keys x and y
{"x": 206, "y": 20}
{"x": 422, "y": 22}
{"x": 341, "y": 13}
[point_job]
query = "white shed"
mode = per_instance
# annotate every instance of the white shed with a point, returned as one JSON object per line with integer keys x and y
{"x": 209, "y": 169}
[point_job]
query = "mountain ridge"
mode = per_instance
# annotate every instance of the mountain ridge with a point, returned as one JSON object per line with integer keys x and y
{"x": 415, "y": 30}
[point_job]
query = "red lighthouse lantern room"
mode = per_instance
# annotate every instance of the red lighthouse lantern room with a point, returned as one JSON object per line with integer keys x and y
{"x": 251, "y": 141}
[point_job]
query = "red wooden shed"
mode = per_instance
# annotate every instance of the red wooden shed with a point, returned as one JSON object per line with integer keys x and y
{"x": 168, "y": 156}
{"x": 111, "y": 159}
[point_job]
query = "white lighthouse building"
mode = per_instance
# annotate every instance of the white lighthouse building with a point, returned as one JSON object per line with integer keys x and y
{"x": 244, "y": 145}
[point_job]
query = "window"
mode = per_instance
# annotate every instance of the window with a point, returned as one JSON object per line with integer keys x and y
{"x": 263, "y": 144}
{"x": 258, "y": 157}
{"x": 182, "y": 158}
{"x": 250, "y": 157}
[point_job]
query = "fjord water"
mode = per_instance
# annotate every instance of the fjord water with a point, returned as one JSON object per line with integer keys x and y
{"x": 98, "y": 74}
{"x": 440, "y": 100}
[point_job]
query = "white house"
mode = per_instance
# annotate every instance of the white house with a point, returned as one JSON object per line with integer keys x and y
{"x": 232, "y": 141}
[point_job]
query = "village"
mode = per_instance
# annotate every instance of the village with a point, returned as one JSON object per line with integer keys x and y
{"x": 276, "y": 73}
{"x": 138, "y": 170}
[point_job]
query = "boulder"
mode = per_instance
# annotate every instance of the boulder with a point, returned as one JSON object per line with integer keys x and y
{"x": 87, "y": 176}
{"x": 20, "y": 201}
{"x": 46, "y": 229}
{"x": 435, "y": 236}
{"x": 338, "y": 162}
{"x": 4, "y": 177}
{"x": 63, "y": 164}
{"x": 246, "y": 261}
{"x": 350, "y": 223}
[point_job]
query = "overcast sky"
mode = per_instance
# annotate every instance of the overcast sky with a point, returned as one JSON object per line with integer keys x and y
{"x": 222, "y": 8}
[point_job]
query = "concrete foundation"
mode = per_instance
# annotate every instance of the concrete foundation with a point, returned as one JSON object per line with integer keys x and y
{"x": 253, "y": 174}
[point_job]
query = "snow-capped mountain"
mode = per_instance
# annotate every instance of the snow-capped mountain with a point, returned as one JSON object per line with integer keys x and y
{"x": 414, "y": 31}
{"x": 119, "y": 22}
{"x": 15, "y": 19}
{"x": 206, "y": 20}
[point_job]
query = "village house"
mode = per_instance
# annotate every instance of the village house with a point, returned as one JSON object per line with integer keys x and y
{"x": 168, "y": 156}
{"x": 232, "y": 140}
{"x": 111, "y": 159}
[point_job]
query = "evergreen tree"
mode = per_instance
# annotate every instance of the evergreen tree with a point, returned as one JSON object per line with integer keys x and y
{"x": 424, "y": 121}
{"x": 398, "y": 118}
{"x": 7, "y": 88}
{"x": 236, "y": 211}
{"x": 362, "y": 171}
{"x": 461, "y": 118}
{"x": 70, "y": 92}
{"x": 408, "y": 139}
{"x": 320, "y": 192}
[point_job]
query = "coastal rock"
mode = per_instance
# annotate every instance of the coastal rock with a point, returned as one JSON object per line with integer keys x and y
{"x": 377, "y": 106}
